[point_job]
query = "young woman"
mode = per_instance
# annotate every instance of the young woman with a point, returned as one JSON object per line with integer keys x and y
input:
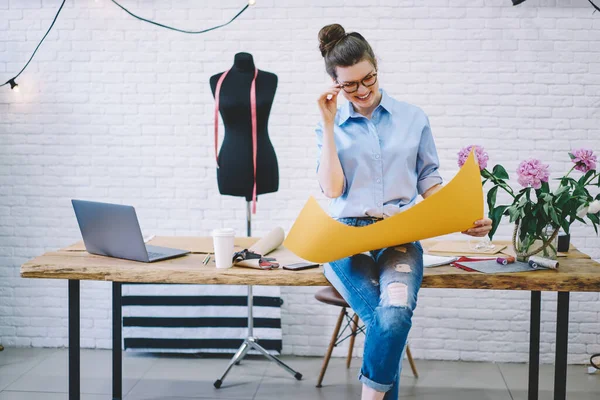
{"x": 377, "y": 155}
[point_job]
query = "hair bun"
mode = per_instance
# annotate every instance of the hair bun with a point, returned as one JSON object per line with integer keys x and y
{"x": 328, "y": 37}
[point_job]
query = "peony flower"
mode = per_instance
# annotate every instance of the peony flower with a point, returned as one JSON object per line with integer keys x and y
{"x": 584, "y": 159}
{"x": 532, "y": 173}
{"x": 594, "y": 207}
{"x": 480, "y": 155}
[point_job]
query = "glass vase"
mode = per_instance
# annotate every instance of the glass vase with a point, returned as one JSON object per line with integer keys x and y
{"x": 526, "y": 243}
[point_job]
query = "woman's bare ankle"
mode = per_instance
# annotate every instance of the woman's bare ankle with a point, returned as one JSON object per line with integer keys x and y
{"x": 371, "y": 394}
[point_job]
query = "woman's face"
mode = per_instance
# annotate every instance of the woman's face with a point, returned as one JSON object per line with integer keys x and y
{"x": 363, "y": 73}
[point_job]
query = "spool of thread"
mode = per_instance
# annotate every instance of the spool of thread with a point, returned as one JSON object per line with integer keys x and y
{"x": 536, "y": 262}
{"x": 505, "y": 261}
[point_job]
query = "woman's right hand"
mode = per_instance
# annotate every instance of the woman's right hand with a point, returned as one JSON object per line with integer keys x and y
{"x": 328, "y": 103}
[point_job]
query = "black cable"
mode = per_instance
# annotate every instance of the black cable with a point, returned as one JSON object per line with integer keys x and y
{"x": 12, "y": 82}
{"x": 38, "y": 46}
{"x": 181, "y": 30}
{"x": 597, "y": 9}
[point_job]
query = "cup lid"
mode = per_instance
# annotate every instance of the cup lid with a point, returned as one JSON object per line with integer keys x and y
{"x": 223, "y": 232}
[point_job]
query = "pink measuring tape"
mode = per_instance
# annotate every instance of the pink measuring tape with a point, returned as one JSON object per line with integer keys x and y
{"x": 254, "y": 128}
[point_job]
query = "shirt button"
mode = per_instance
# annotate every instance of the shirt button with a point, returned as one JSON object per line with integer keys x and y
{"x": 377, "y": 156}
{"x": 378, "y": 180}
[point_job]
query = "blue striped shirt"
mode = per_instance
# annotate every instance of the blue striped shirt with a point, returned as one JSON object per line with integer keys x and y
{"x": 387, "y": 160}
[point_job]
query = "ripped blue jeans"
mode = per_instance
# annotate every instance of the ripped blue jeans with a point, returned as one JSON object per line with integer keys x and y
{"x": 381, "y": 288}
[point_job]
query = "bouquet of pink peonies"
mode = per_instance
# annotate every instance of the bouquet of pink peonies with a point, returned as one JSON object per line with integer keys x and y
{"x": 537, "y": 211}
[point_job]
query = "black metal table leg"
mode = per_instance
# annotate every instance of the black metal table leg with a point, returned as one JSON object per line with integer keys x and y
{"x": 562, "y": 346}
{"x": 117, "y": 355}
{"x": 534, "y": 345}
{"x": 74, "y": 342}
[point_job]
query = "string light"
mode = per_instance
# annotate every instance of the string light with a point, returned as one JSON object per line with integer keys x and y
{"x": 11, "y": 81}
{"x": 15, "y": 87}
{"x": 596, "y": 8}
{"x": 181, "y": 30}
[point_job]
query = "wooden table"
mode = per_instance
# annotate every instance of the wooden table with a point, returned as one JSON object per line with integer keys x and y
{"x": 577, "y": 272}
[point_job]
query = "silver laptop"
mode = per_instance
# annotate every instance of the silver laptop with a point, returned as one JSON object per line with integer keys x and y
{"x": 113, "y": 230}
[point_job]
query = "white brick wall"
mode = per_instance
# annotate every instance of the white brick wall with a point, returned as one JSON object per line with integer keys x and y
{"x": 118, "y": 110}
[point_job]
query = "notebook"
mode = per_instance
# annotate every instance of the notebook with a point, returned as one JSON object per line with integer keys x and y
{"x": 492, "y": 267}
{"x": 430, "y": 261}
{"x": 462, "y": 247}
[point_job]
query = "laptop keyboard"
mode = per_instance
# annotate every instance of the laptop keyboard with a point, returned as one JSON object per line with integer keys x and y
{"x": 152, "y": 255}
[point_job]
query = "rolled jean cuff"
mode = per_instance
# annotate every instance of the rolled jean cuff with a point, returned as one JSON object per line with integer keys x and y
{"x": 380, "y": 387}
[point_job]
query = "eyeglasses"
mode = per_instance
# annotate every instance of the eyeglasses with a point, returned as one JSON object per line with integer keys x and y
{"x": 367, "y": 81}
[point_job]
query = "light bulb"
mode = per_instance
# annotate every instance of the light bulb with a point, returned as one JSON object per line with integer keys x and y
{"x": 13, "y": 85}
{"x": 252, "y": 2}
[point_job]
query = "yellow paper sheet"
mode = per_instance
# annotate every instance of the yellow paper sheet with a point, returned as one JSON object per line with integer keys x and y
{"x": 317, "y": 237}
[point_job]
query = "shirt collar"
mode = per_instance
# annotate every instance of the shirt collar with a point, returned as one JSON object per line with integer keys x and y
{"x": 348, "y": 111}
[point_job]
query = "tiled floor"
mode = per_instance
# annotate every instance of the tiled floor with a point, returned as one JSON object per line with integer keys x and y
{"x": 41, "y": 374}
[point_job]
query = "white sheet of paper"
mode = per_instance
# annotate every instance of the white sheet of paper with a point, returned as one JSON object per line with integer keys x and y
{"x": 430, "y": 260}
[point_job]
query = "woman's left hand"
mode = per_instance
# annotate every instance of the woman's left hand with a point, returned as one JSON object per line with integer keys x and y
{"x": 480, "y": 228}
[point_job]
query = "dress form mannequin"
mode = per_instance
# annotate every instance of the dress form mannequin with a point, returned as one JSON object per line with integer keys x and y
{"x": 235, "y": 175}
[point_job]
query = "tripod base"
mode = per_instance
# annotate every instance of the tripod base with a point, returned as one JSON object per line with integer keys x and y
{"x": 252, "y": 343}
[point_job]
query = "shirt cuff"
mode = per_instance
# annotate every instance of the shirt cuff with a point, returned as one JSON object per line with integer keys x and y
{"x": 427, "y": 183}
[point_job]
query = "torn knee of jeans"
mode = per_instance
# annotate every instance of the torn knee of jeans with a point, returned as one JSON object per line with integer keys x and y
{"x": 397, "y": 294}
{"x": 403, "y": 268}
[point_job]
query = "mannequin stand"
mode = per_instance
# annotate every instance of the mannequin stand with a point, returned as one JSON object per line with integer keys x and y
{"x": 251, "y": 342}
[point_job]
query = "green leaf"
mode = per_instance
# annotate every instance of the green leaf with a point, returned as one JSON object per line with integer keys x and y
{"x": 554, "y": 217}
{"x": 514, "y": 213}
{"x": 491, "y": 198}
{"x": 595, "y": 221}
{"x": 585, "y": 177}
{"x": 580, "y": 191}
{"x": 565, "y": 225}
{"x": 563, "y": 199}
{"x": 560, "y": 190}
{"x": 499, "y": 172}
{"x": 496, "y": 216}
{"x": 546, "y": 197}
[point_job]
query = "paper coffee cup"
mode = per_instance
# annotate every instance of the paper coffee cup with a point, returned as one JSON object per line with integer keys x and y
{"x": 223, "y": 244}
